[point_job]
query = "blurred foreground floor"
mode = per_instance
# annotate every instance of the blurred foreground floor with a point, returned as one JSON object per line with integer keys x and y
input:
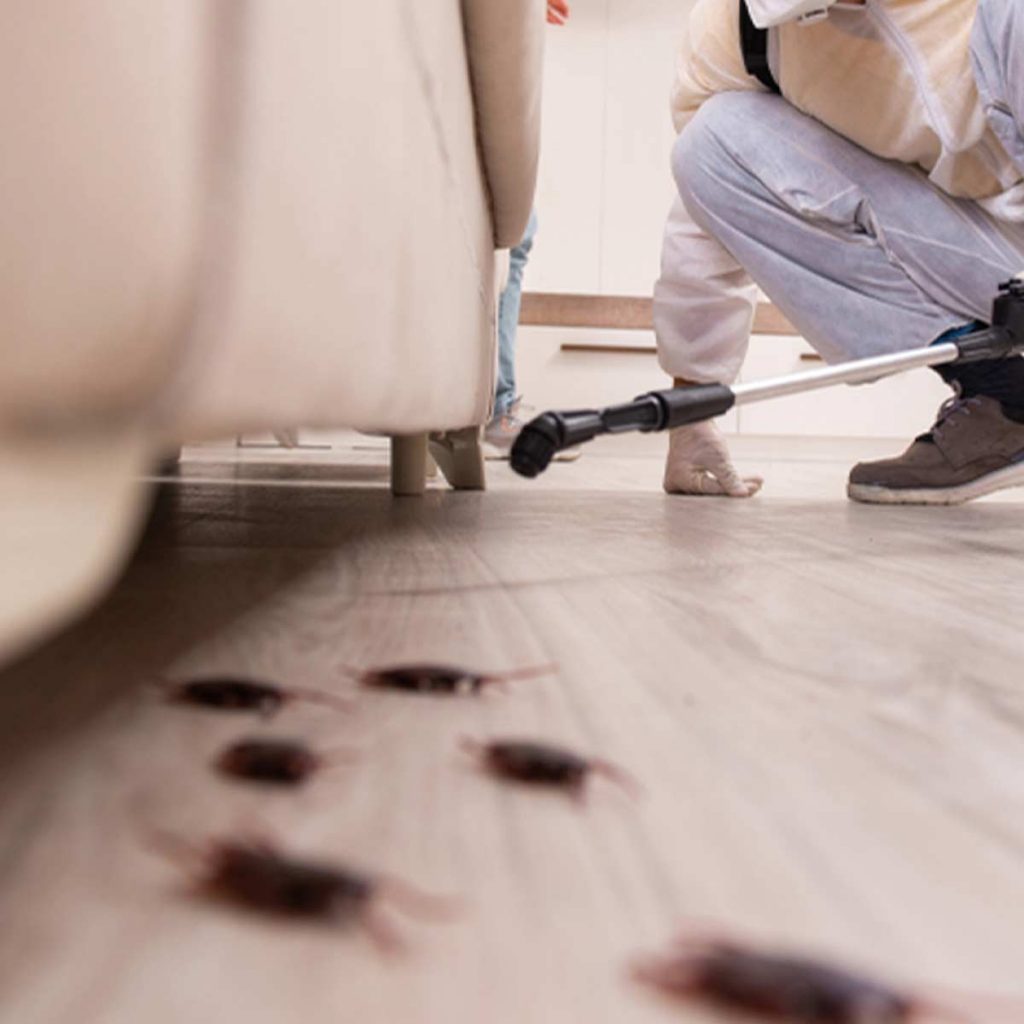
{"x": 823, "y": 701}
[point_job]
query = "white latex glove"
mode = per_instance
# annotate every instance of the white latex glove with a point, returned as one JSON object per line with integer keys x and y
{"x": 698, "y": 463}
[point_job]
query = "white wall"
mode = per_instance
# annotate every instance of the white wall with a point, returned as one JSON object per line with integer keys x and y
{"x": 604, "y": 189}
{"x": 605, "y": 184}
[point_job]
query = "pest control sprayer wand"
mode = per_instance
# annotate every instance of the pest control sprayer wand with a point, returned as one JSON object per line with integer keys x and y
{"x": 551, "y": 432}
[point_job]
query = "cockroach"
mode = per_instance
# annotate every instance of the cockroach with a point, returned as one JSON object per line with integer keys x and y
{"x": 255, "y": 875}
{"x": 228, "y": 693}
{"x": 439, "y": 680}
{"x": 780, "y": 987}
{"x": 542, "y": 764}
{"x": 282, "y": 761}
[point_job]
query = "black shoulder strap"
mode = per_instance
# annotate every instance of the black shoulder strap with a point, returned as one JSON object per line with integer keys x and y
{"x": 754, "y": 43}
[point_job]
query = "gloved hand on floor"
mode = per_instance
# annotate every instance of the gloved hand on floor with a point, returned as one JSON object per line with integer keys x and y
{"x": 698, "y": 463}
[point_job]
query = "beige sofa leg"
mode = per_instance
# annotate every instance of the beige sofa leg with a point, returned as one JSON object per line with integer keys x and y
{"x": 409, "y": 465}
{"x": 460, "y": 458}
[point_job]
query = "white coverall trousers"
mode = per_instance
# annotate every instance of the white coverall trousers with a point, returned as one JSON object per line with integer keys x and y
{"x": 864, "y": 255}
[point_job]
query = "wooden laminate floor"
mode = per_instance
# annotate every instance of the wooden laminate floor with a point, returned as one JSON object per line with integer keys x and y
{"x": 824, "y": 703}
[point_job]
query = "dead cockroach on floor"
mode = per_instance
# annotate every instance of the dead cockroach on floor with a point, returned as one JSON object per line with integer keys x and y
{"x": 257, "y": 876}
{"x": 284, "y": 762}
{"x": 229, "y": 693}
{"x": 781, "y": 987}
{"x": 439, "y": 680}
{"x": 543, "y": 764}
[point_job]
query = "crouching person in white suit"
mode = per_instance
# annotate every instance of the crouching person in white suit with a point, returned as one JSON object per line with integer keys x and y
{"x": 862, "y": 162}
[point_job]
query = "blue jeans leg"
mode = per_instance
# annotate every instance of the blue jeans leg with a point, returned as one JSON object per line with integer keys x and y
{"x": 508, "y": 321}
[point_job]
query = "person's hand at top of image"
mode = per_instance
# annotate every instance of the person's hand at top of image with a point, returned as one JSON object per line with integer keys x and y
{"x": 558, "y": 12}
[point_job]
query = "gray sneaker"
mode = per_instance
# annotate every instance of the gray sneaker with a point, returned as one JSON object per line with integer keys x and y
{"x": 503, "y": 429}
{"x": 500, "y": 434}
{"x": 973, "y": 450}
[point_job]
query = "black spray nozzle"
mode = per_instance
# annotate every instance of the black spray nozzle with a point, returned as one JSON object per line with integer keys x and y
{"x": 535, "y": 446}
{"x": 542, "y": 438}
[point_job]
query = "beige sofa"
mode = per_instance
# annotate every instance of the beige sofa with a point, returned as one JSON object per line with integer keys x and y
{"x": 228, "y": 215}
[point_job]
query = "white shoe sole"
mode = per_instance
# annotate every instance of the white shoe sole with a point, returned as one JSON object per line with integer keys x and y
{"x": 493, "y": 453}
{"x": 871, "y": 494}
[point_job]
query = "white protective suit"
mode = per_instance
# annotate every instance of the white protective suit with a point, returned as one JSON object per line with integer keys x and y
{"x": 900, "y": 85}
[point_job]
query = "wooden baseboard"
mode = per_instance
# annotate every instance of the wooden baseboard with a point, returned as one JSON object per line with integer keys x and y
{"x": 620, "y": 313}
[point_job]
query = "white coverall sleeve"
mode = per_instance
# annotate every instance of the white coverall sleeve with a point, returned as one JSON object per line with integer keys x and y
{"x": 704, "y": 304}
